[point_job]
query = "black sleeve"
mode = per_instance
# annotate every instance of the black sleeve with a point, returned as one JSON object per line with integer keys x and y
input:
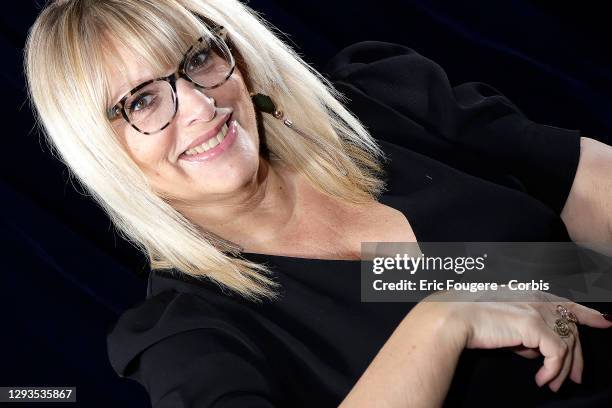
{"x": 407, "y": 99}
{"x": 186, "y": 356}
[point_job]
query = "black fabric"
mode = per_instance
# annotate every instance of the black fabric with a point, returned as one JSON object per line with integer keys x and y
{"x": 465, "y": 165}
{"x": 408, "y": 100}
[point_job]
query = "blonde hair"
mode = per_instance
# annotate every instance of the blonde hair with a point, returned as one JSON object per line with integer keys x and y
{"x": 66, "y": 62}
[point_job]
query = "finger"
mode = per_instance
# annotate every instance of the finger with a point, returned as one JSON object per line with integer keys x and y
{"x": 530, "y": 353}
{"x": 589, "y": 317}
{"x": 540, "y": 335}
{"x": 578, "y": 364}
{"x": 556, "y": 383}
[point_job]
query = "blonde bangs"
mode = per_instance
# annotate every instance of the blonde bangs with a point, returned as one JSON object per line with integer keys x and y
{"x": 154, "y": 34}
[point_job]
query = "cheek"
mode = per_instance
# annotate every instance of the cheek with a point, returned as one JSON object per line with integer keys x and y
{"x": 236, "y": 90}
{"x": 241, "y": 101}
{"x": 149, "y": 152}
{"x": 138, "y": 151}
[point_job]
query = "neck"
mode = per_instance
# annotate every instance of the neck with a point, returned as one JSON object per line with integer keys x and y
{"x": 261, "y": 213}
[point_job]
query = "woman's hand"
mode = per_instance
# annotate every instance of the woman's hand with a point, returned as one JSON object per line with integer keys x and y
{"x": 416, "y": 365}
{"x": 525, "y": 327}
{"x": 587, "y": 213}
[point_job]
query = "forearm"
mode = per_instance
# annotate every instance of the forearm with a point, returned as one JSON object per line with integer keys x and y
{"x": 415, "y": 366}
{"x": 587, "y": 213}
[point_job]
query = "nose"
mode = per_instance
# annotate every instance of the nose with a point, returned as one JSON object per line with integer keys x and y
{"x": 193, "y": 104}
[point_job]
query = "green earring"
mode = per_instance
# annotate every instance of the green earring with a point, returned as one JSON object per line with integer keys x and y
{"x": 265, "y": 104}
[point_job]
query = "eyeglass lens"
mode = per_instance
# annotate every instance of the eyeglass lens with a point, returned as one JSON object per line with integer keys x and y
{"x": 151, "y": 107}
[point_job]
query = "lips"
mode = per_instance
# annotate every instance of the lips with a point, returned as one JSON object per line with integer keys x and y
{"x": 210, "y": 134}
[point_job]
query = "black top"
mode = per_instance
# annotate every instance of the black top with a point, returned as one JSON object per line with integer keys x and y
{"x": 190, "y": 345}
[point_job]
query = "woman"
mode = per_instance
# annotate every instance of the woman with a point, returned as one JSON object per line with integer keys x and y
{"x": 236, "y": 168}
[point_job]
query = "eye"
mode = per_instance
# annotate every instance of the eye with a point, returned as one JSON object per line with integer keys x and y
{"x": 141, "y": 102}
{"x": 198, "y": 60}
{"x": 114, "y": 113}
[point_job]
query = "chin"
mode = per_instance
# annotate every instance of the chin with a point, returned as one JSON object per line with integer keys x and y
{"x": 232, "y": 179}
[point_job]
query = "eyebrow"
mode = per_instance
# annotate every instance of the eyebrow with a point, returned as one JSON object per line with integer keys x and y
{"x": 126, "y": 87}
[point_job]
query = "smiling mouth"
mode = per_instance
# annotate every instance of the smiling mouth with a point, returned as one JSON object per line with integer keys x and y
{"x": 210, "y": 142}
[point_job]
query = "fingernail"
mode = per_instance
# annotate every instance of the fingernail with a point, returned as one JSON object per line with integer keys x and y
{"x": 607, "y": 316}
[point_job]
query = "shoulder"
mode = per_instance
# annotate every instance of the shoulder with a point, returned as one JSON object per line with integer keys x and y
{"x": 185, "y": 352}
{"x": 158, "y": 319}
{"x": 381, "y": 78}
{"x": 377, "y": 57}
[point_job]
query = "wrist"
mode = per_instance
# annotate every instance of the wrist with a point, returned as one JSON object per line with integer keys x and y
{"x": 444, "y": 322}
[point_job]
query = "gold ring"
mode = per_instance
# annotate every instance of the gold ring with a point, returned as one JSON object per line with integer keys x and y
{"x": 566, "y": 314}
{"x": 562, "y": 327}
{"x": 571, "y": 317}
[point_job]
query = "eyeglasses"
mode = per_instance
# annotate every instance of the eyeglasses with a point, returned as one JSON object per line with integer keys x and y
{"x": 151, "y": 106}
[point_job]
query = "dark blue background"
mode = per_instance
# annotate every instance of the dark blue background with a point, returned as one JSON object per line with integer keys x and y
{"x": 66, "y": 276}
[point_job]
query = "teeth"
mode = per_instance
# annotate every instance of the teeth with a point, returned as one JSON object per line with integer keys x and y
{"x": 210, "y": 143}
